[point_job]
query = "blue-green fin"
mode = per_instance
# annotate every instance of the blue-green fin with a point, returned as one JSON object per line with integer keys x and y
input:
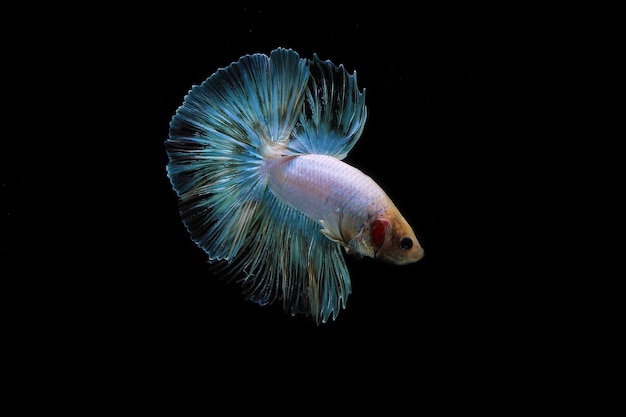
{"x": 215, "y": 167}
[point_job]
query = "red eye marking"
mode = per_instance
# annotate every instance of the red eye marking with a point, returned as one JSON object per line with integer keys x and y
{"x": 379, "y": 229}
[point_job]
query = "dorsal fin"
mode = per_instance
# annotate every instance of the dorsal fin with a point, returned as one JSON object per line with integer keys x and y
{"x": 334, "y": 112}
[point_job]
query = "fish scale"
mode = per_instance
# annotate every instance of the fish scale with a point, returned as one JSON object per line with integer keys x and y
{"x": 325, "y": 188}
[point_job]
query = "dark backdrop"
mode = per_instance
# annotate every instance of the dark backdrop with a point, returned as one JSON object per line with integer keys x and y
{"x": 440, "y": 95}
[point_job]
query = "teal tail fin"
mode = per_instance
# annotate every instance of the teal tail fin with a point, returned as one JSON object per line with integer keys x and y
{"x": 216, "y": 168}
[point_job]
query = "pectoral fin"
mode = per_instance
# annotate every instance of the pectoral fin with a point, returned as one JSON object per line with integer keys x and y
{"x": 333, "y": 233}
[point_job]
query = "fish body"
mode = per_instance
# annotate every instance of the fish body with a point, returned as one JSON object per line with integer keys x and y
{"x": 256, "y": 158}
{"x": 352, "y": 208}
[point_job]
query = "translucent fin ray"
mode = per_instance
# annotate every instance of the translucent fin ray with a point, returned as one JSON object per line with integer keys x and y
{"x": 303, "y": 269}
{"x": 334, "y": 113}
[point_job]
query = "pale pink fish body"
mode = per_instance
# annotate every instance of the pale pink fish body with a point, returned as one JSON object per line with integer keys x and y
{"x": 352, "y": 208}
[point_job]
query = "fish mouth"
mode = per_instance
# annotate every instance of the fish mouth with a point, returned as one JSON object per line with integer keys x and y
{"x": 418, "y": 255}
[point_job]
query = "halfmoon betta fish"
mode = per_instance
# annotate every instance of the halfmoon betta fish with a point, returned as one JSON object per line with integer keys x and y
{"x": 255, "y": 158}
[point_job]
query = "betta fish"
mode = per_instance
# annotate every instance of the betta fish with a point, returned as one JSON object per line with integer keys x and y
{"x": 255, "y": 157}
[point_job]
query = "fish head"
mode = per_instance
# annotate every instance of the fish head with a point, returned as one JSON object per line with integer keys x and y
{"x": 394, "y": 241}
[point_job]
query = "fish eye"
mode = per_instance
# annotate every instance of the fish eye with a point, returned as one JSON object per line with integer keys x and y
{"x": 406, "y": 243}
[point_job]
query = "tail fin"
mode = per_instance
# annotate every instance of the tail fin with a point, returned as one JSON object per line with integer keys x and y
{"x": 213, "y": 144}
{"x": 215, "y": 167}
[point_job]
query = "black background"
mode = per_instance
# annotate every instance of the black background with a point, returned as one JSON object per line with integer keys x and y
{"x": 441, "y": 138}
{"x": 421, "y": 127}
